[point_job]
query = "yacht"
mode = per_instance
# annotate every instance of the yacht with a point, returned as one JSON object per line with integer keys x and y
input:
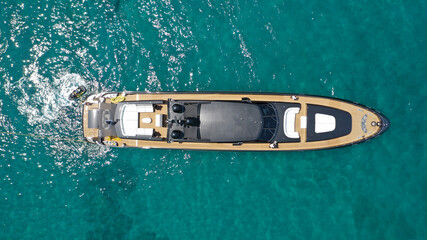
{"x": 227, "y": 121}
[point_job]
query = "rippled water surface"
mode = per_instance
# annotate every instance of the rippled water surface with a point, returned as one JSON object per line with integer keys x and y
{"x": 372, "y": 52}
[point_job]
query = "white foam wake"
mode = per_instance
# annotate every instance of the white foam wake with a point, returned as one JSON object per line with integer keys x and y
{"x": 41, "y": 99}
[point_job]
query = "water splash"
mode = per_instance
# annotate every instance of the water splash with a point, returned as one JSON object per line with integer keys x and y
{"x": 40, "y": 99}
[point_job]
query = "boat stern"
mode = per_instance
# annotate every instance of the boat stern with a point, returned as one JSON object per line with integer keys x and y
{"x": 90, "y": 134}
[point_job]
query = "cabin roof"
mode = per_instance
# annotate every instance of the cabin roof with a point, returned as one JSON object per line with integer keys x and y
{"x": 230, "y": 122}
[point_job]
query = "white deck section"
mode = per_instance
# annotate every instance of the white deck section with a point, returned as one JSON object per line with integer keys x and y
{"x": 324, "y": 123}
{"x": 289, "y": 122}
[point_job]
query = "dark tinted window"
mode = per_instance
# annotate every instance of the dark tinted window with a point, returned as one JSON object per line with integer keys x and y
{"x": 270, "y": 122}
{"x": 266, "y": 135}
{"x": 267, "y": 110}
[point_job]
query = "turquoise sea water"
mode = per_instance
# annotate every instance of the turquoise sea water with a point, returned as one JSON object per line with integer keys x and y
{"x": 372, "y": 52}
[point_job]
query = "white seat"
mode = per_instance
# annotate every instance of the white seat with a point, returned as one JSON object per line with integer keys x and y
{"x": 159, "y": 120}
{"x": 145, "y": 108}
{"x": 324, "y": 123}
{"x": 129, "y": 120}
{"x": 289, "y": 122}
{"x": 145, "y": 131}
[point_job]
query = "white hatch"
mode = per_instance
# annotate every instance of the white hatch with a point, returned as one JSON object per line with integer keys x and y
{"x": 324, "y": 123}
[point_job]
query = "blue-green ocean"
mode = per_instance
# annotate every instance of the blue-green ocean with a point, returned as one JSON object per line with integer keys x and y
{"x": 371, "y": 52}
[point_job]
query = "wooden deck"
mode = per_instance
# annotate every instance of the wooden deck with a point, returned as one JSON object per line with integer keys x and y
{"x": 89, "y": 132}
{"x": 356, "y": 135}
{"x": 160, "y": 130}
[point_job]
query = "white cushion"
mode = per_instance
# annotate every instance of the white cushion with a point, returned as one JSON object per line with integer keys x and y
{"x": 129, "y": 120}
{"x": 145, "y": 108}
{"x": 145, "y": 131}
{"x": 289, "y": 122}
{"x": 324, "y": 123}
{"x": 159, "y": 120}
